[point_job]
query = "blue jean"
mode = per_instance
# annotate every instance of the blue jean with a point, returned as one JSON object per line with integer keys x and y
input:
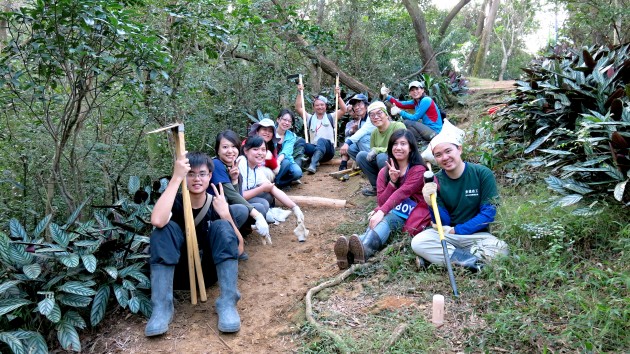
{"x": 168, "y": 247}
{"x": 323, "y": 145}
{"x": 371, "y": 168}
{"x": 289, "y": 172}
{"x": 389, "y": 223}
{"x": 362, "y": 145}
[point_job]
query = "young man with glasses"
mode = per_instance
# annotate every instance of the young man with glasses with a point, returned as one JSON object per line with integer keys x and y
{"x": 371, "y": 162}
{"x": 218, "y": 237}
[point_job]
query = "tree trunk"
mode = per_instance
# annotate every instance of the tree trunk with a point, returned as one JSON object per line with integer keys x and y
{"x": 451, "y": 15}
{"x": 422, "y": 37}
{"x": 488, "y": 29}
{"x": 327, "y": 65}
{"x": 321, "y": 5}
{"x": 478, "y": 31}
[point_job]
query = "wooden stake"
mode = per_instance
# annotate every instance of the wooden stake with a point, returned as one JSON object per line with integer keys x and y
{"x": 303, "y": 109}
{"x": 336, "y": 107}
{"x": 194, "y": 261}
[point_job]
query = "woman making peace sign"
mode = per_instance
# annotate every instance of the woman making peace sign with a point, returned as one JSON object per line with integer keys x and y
{"x": 400, "y": 202}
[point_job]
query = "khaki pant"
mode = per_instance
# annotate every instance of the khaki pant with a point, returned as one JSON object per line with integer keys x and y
{"x": 482, "y": 244}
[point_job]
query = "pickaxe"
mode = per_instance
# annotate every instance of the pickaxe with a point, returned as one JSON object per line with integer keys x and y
{"x": 194, "y": 261}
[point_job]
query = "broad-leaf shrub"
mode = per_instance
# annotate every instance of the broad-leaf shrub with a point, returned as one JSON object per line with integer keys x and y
{"x": 571, "y": 111}
{"x": 58, "y": 278}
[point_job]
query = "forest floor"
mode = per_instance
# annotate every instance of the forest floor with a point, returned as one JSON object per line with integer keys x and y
{"x": 275, "y": 279}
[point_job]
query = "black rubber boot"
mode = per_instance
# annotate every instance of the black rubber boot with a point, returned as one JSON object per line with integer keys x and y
{"x": 467, "y": 260}
{"x": 343, "y": 165}
{"x": 317, "y": 155}
{"x": 227, "y": 274}
{"x": 161, "y": 299}
{"x": 363, "y": 250}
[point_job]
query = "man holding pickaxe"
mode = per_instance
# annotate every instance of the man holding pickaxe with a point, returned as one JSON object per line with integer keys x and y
{"x": 217, "y": 235}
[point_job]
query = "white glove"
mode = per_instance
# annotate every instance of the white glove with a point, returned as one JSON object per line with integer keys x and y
{"x": 371, "y": 156}
{"x": 447, "y": 229}
{"x": 298, "y": 214}
{"x": 262, "y": 228}
{"x": 395, "y": 111}
{"x": 427, "y": 190}
{"x": 384, "y": 90}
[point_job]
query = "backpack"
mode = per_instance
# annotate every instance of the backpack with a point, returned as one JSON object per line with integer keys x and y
{"x": 330, "y": 119}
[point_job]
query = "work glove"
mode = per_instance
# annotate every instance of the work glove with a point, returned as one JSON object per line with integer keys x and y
{"x": 384, "y": 91}
{"x": 298, "y": 214}
{"x": 395, "y": 111}
{"x": 262, "y": 228}
{"x": 371, "y": 156}
{"x": 445, "y": 228}
{"x": 427, "y": 190}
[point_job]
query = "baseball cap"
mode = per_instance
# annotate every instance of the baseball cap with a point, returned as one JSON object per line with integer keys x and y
{"x": 358, "y": 97}
{"x": 416, "y": 84}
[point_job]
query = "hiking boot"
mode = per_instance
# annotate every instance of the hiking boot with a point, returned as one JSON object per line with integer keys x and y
{"x": 369, "y": 191}
{"x": 341, "y": 252}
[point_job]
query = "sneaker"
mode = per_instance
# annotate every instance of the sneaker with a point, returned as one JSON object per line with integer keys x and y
{"x": 369, "y": 191}
{"x": 243, "y": 256}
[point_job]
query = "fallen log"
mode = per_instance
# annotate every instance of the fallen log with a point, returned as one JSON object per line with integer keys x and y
{"x": 316, "y": 201}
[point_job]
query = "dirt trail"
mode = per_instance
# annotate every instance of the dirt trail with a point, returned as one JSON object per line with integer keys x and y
{"x": 273, "y": 283}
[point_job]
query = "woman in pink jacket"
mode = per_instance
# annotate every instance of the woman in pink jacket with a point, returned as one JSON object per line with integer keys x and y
{"x": 400, "y": 202}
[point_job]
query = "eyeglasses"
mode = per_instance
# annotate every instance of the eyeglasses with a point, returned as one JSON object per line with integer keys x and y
{"x": 193, "y": 175}
{"x": 288, "y": 120}
{"x": 377, "y": 113}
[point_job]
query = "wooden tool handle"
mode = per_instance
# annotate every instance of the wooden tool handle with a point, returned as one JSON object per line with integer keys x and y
{"x": 336, "y": 107}
{"x": 303, "y": 109}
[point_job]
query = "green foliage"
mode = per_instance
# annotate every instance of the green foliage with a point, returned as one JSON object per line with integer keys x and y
{"x": 572, "y": 113}
{"x": 55, "y": 282}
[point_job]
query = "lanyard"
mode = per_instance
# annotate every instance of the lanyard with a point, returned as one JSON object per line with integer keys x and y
{"x": 254, "y": 170}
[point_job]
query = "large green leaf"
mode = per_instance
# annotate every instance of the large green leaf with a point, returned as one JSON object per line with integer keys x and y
{"x": 89, "y": 261}
{"x": 134, "y": 304}
{"x": 134, "y": 184}
{"x": 17, "y": 230}
{"x": 555, "y": 184}
{"x": 41, "y": 226}
{"x": 68, "y": 336}
{"x": 77, "y": 287}
{"x": 45, "y": 307}
{"x": 55, "y": 314}
{"x": 145, "y": 304}
{"x": 122, "y": 295}
{"x": 13, "y": 342}
{"x": 74, "y": 300}
{"x": 533, "y": 146}
{"x": 568, "y": 200}
{"x": 58, "y": 235}
{"x": 10, "y": 304}
{"x": 75, "y": 214}
{"x": 99, "y": 306}
{"x": 8, "y": 285}
{"x": 32, "y": 270}
{"x": 112, "y": 272}
{"x": 74, "y": 319}
{"x": 33, "y": 342}
{"x": 18, "y": 254}
{"x": 70, "y": 261}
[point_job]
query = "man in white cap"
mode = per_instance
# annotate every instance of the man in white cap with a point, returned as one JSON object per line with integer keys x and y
{"x": 426, "y": 121}
{"x": 321, "y": 129}
{"x": 467, "y": 199}
{"x": 371, "y": 162}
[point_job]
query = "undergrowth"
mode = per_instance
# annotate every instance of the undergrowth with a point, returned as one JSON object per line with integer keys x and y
{"x": 564, "y": 287}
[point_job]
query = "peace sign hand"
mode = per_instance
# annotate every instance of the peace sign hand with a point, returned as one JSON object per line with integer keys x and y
{"x": 234, "y": 172}
{"x": 219, "y": 203}
{"x": 394, "y": 173}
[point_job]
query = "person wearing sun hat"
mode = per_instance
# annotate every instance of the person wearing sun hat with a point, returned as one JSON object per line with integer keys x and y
{"x": 426, "y": 121}
{"x": 372, "y": 161}
{"x": 359, "y": 139}
{"x": 266, "y": 129}
{"x": 320, "y": 127}
{"x": 467, "y": 197}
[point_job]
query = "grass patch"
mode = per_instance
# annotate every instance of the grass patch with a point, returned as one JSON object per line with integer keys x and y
{"x": 563, "y": 288}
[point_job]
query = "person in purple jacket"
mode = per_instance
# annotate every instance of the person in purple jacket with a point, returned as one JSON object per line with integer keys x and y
{"x": 399, "y": 198}
{"x": 426, "y": 121}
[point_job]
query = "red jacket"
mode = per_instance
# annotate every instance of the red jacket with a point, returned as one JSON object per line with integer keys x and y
{"x": 388, "y": 197}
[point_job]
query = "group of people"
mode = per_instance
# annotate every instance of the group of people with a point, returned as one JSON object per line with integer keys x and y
{"x": 237, "y": 188}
